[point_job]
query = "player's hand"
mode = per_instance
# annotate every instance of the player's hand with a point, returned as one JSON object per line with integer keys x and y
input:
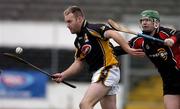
{"x": 58, "y": 77}
{"x": 169, "y": 42}
{"x": 136, "y": 52}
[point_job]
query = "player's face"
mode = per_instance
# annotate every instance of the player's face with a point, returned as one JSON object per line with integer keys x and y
{"x": 147, "y": 24}
{"x": 73, "y": 23}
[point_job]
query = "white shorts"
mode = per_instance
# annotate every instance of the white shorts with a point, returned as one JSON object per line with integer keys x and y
{"x": 109, "y": 77}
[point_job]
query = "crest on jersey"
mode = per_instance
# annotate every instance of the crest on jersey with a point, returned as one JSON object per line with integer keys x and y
{"x": 147, "y": 46}
{"x": 103, "y": 27}
{"x": 162, "y": 53}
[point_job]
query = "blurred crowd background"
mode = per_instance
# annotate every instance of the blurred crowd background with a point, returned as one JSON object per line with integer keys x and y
{"x": 38, "y": 27}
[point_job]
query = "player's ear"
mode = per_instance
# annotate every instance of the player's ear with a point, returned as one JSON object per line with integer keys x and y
{"x": 79, "y": 18}
{"x": 156, "y": 24}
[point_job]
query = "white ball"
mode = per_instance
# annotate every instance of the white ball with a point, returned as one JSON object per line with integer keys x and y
{"x": 19, "y": 50}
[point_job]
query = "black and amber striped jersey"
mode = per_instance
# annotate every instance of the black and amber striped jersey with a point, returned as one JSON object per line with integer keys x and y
{"x": 100, "y": 52}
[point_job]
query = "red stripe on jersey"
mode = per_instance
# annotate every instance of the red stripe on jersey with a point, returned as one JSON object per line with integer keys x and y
{"x": 138, "y": 43}
{"x": 163, "y": 35}
{"x": 174, "y": 38}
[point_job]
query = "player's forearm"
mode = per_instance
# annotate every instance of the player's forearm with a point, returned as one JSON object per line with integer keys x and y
{"x": 119, "y": 39}
{"x": 122, "y": 42}
{"x": 173, "y": 39}
{"x": 74, "y": 69}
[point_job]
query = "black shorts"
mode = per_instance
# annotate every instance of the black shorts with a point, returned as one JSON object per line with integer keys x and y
{"x": 171, "y": 81}
{"x": 171, "y": 89}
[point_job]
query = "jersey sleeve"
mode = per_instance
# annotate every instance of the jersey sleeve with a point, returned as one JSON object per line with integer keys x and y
{"x": 136, "y": 42}
{"x": 170, "y": 33}
{"x": 79, "y": 55}
{"x": 98, "y": 30}
{"x": 119, "y": 51}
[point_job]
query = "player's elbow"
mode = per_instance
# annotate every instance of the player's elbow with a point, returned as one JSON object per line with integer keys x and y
{"x": 110, "y": 33}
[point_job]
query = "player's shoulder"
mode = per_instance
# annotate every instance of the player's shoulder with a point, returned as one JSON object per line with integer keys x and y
{"x": 97, "y": 26}
{"x": 134, "y": 39}
{"x": 167, "y": 29}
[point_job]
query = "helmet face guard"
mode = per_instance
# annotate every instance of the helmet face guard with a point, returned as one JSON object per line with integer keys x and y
{"x": 151, "y": 14}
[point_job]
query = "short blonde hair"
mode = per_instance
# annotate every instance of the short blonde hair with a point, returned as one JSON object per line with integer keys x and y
{"x": 77, "y": 11}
